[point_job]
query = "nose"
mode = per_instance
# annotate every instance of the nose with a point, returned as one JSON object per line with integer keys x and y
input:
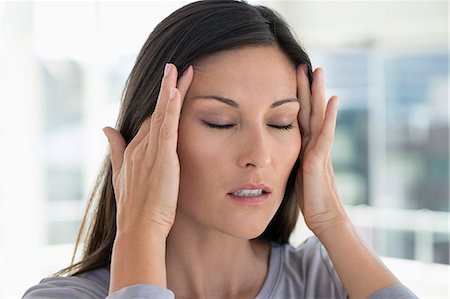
{"x": 254, "y": 150}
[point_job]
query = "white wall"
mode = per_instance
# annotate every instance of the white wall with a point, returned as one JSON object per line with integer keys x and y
{"x": 394, "y": 24}
{"x": 21, "y": 128}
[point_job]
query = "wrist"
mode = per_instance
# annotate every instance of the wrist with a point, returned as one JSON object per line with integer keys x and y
{"x": 138, "y": 257}
{"x": 133, "y": 234}
{"x": 142, "y": 229}
{"x": 333, "y": 229}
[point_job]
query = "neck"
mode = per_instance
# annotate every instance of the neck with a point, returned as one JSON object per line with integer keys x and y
{"x": 205, "y": 263}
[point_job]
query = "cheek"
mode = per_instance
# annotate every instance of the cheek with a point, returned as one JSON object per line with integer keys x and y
{"x": 200, "y": 159}
{"x": 286, "y": 158}
{"x": 288, "y": 151}
{"x": 196, "y": 156}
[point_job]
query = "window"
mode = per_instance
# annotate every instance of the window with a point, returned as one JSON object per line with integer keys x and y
{"x": 393, "y": 120}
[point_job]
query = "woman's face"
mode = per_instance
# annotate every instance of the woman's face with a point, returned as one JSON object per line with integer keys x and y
{"x": 238, "y": 131}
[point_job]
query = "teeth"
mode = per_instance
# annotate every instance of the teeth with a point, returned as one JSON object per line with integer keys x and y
{"x": 255, "y": 192}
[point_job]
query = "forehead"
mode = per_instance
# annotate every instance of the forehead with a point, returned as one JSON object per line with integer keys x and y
{"x": 256, "y": 71}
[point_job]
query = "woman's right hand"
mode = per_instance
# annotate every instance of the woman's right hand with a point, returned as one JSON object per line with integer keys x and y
{"x": 146, "y": 178}
{"x": 146, "y": 173}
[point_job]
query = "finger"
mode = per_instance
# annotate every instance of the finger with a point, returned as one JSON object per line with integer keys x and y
{"x": 304, "y": 96}
{"x": 117, "y": 147}
{"x": 318, "y": 104}
{"x": 185, "y": 81}
{"x": 140, "y": 135}
{"x": 322, "y": 147}
{"x": 168, "y": 136}
{"x": 169, "y": 81}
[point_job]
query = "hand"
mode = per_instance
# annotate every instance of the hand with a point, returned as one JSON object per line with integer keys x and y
{"x": 146, "y": 173}
{"x": 315, "y": 186}
{"x": 319, "y": 201}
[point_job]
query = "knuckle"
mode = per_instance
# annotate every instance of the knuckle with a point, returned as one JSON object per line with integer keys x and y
{"x": 128, "y": 153}
{"x": 137, "y": 153}
{"x": 164, "y": 164}
{"x": 157, "y": 117}
{"x": 166, "y": 132}
{"x": 132, "y": 153}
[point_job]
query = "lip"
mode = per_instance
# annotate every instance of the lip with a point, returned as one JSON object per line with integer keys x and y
{"x": 251, "y": 200}
{"x": 251, "y": 186}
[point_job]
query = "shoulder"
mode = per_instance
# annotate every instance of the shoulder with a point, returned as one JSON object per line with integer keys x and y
{"x": 307, "y": 271}
{"x": 92, "y": 284}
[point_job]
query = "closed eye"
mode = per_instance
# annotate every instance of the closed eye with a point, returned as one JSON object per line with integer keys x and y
{"x": 229, "y": 126}
{"x": 286, "y": 127}
{"x": 216, "y": 126}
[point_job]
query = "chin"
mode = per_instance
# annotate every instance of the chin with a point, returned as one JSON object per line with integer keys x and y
{"x": 243, "y": 223}
{"x": 248, "y": 229}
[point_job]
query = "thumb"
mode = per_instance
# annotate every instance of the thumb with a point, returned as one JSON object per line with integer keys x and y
{"x": 117, "y": 147}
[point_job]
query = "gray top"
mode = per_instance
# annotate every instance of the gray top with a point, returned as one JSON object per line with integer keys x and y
{"x": 303, "y": 272}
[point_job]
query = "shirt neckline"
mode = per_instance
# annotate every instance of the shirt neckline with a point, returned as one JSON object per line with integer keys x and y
{"x": 270, "y": 282}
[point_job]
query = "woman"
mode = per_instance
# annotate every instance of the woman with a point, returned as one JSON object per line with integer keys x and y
{"x": 209, "y": 167}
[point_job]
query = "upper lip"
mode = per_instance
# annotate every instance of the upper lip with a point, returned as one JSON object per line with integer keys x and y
{"x": 252, "y": 186}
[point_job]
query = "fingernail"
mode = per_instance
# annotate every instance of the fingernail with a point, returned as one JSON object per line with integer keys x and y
{"x": 166, "y": 69}
{"x": 187, "y": 69}
{"x": 104, "y": 132}
{"x": 321, "y": 74}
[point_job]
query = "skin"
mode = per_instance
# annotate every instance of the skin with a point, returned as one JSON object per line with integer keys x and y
{"x": 208, "y": 221}
{"x": 252, "y": 150}
{"x": 182, "y": 247}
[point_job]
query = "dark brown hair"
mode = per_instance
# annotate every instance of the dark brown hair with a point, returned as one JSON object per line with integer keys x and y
{"x": 186, "y": 36}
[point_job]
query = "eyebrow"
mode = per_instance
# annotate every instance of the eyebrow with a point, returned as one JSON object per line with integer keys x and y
{"x": 234, "y": 104}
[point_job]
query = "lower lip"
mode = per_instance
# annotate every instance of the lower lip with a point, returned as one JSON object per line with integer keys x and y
{"x": 250, "y": 200}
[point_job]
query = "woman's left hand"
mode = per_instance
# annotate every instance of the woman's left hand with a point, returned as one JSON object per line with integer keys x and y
{"x": 315, "y": 186}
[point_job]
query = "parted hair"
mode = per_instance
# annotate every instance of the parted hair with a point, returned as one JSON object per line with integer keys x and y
{"x": 183, "y": 38}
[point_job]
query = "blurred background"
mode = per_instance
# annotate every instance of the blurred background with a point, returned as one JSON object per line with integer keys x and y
{"x": 63, "y": 69}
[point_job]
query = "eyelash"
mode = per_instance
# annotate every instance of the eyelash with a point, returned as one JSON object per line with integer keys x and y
{"x": 226, "y": 127}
